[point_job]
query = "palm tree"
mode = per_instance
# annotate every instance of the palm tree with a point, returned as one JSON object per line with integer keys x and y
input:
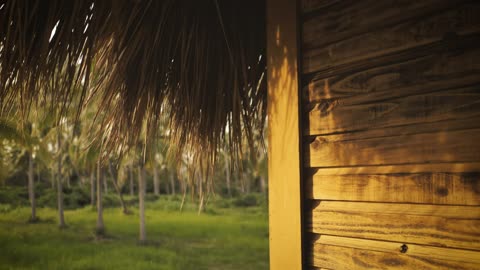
{"x": 92, "y": 186}
{"x": 61, "y": 217}
{"x": 8, "y": 130}
{"x": 130, "y": 179}
{"x": 226, "y": 164}
{"x": 156, "y": 180}
{"x": 115, "y": 178}
{"x": 100, "y": 228}
{"x": 172, "y": 181}
{"x": 31, "y": 188}
{"x": 141, "y": 201}
{"x": 28, "y": 138}
{"x": 143, "y": 78}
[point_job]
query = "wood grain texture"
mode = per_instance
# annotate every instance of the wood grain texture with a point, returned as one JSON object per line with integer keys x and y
{"x": 433, "y": 225}
{"x": 449, "y": 211}
{"x": 439, "y": 127}
{"x": 432, "y": 72}
{"x": 391, "y": 99}
{"x": 362, "y": 148}
{"x": 457, "y": 45}
{"x": 350, "y": 253}
{"x": 430, "y": 188}
{"x": 312, "y": 5}
{"x": 460, "y": 19}
{"x": 349, "y": 18}
{"x": 470, "y": 167}
{"x": 366, "y": 113}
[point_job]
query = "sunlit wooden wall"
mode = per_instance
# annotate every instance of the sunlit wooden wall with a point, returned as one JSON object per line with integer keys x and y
{"x": 391, "y": 133}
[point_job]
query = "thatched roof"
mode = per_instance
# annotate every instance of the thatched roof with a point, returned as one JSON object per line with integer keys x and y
{"x": 195, "y": 63}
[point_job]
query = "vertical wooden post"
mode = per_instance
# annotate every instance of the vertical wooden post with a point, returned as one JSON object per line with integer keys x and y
{"x": 284, "y": 164}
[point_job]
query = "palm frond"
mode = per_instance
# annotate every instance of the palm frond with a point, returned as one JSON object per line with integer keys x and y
{"x": 196, "y": 65}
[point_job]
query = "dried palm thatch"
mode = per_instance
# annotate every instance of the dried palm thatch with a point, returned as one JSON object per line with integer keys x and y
{"x": 196, "y": 64}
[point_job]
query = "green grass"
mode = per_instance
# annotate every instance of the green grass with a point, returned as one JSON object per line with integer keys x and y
{"x": 222, "y": 238}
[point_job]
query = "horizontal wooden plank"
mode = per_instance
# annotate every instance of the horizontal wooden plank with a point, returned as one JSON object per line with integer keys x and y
{"x": 460, "y": 19}
{"x": 427, "y": 187}
{"x": 433, "y": 71}
{"x": 360, "y": 149}
{"x": 312, "y": 5}
{"x": 443, "y": 127}
{"x": 471, "y": 167}
{"x": 356, "y": 17}
{"x": 345, "y": 115}
{"x": 350, "y": 253}
{"x": 434, "y": 225}
{"x": 448, "y": 211}
{"x": 460, "y": 44}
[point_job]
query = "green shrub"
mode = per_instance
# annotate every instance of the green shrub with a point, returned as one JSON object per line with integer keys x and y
{"x": 222, "y": 203}
{"x": 48, "y": 198}
{"x": 246, "y": 201}
{"x": 76, "y": 198}
{"x": 110, "y": 200}
{"x": 151, "y": 197}
{"x": 73, "y": 198}
{"x": 5, "y": 208}
{"x": 16, "y": 196}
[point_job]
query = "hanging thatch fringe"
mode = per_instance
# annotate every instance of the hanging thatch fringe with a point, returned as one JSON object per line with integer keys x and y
{"x": 195, "y": 63}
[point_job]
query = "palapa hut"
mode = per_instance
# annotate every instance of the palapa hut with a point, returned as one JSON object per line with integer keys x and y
{"x": 373, "y": 108}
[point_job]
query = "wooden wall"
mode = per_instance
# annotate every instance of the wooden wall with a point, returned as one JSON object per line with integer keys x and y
{"x": 391, "y": 133}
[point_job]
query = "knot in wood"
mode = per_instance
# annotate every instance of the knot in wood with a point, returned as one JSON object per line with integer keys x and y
{"x": 403, "y": 248}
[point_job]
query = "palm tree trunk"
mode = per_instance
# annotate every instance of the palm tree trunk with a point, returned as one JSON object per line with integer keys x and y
{"x": 39, "y": 178}
{"x": 263, "y": 184}
{"x": 246, "y": 178}
{"x": 68, "y": 180}
{"x": 183, "y": 199}
{"x": 184, "y": 190}
{"x": 52, "y": 179}
{"x": 92, "y": 187}
{"x": 141, "y": 202}
{"x": 172, "y": 181}
{"x": 105, "y": 185}
{"x": 156, "y": 182}
{"x": 31, "y": 187}
{"x": 242, "y": 183}
{"x": 117, "y": 189}
{"x": 100, "y": 228}
{"x": 167, "y": 188}
{"x": 130, "y": 176}
{"x": 201, "y": 205}
{"x": 227, "y": 177}
{"x": 61, "y": 218}
{"x": 200, "y": 194}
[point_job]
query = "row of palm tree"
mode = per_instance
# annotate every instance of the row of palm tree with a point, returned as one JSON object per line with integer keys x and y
{"x": 67, "y": 147}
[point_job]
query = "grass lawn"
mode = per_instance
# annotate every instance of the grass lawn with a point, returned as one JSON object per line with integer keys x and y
{"x": 221, "y": 238}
